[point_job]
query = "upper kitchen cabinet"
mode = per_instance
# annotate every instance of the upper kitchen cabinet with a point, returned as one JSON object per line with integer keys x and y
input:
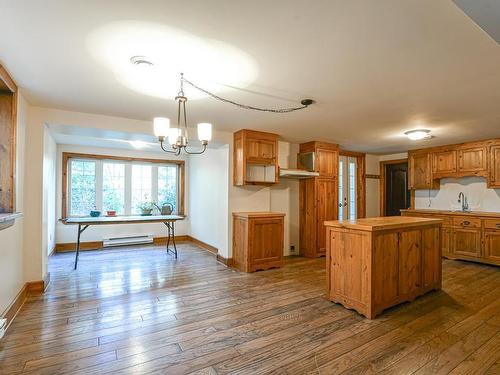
{"x": 420, "y": 176}
{"x": 480, "y": 158}
{"x": 444, "y": 163}
{"x": 319, "y": 157}
{"x": 494, "y": 166}
{"x": 255, "y": 158}
{"x": 472, "y": 160}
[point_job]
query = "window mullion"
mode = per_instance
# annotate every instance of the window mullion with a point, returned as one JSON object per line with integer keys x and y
{"x": 98, "y": 184}
{"x": 154, "y": 184}
{"x": 128, "y": 189}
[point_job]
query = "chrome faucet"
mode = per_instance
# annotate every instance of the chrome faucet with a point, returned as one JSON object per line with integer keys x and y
{"x": 463, "y": 200}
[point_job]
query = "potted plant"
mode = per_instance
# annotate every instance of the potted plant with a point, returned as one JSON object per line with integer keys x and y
{"x": 146, "y": 208}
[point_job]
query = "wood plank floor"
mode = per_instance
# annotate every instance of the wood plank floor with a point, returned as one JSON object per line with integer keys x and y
{"x": 139, "y": 311}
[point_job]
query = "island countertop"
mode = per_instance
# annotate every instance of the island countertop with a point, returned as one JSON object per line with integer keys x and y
{"x": 373, "y": 224}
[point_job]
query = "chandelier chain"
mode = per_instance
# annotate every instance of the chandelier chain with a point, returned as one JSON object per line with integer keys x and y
{"x": 244, "y": 106}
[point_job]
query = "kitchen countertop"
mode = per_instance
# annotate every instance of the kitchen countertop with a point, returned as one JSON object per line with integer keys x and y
{"x": 258, "y": 214}
{"x": 449, "y": 212}
{"x": 382, "y": 223}
{"x": 7, "y": 219}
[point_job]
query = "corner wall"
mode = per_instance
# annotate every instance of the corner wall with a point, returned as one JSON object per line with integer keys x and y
{"x": 11, "y": 239}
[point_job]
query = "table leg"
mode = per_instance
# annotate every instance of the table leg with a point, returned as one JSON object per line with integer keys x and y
{"x": 80, "y": 231}
{"x": 171, "y": 235}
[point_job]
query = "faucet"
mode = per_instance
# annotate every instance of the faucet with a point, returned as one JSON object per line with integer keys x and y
{"x": 463, "y": 200}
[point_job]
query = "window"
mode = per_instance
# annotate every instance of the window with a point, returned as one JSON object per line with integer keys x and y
{"x": 348, "y": 191}
{"x": 141, "y": 186}
{"x": 112, "y": 183}
{"x": 113, "y": 187}
{"x": 82, "y": 192}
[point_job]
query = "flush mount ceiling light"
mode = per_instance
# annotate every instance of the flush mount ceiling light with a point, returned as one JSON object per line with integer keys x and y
{"x": 178, "y": 137}
{"x": 418, "y": 134}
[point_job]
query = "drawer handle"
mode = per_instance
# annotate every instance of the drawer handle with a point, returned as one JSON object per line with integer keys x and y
{"x": 498, "y": 225}
{"x": 466, "y": 222}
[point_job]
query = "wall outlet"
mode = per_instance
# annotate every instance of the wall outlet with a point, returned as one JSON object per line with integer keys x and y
{"x": 3, "y": 327}
{"x": 292, "y": 249}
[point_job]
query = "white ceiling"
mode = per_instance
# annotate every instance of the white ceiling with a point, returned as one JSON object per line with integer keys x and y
{"x": 375, "y": 68}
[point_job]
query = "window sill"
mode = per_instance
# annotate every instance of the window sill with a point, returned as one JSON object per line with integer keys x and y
{"x": 7, "y": 219}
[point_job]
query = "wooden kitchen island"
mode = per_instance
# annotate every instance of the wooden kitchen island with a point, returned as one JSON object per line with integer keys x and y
{"x": 376, "y": 263}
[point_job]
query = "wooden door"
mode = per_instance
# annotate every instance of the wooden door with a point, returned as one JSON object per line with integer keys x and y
{"x": 308, "y": 222}
{"x": 492, "y": 245}
{"x": 326, "y": 162}
{"x": 267, "y": 149}
{"x": 444, "y": 162}
{"x": 260, "y": 150}
{"x": 410, "y": 263}
{"x": 420, "y": 171}
{"x": 494, "y": 166}
{"x": 265, "y": 241}
{"x": 397, "y": 195}
{"x": 466, "y": 242}
{"x": 326, "y": 209}
{"x": 472, "y": 159}
{"x": 446, "y": 241}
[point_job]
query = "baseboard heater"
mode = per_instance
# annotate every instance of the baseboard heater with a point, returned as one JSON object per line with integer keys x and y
{"x": 127, "y": 240}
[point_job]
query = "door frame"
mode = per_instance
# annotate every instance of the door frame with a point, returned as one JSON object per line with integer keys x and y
{"x": 382, "y": 189}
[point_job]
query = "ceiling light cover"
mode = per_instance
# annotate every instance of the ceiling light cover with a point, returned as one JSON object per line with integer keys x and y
{"x": 161, "y": 126}
{"x": 205, "y": 132}
{"x": 418, "y": 134}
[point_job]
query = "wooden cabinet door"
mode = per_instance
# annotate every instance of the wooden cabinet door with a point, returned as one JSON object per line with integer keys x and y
{"x": 472, "y": 159}
{"x": 308, "y": 224}
{"x": 444, "y": 162}
{"x": 431, "y": 259}
{"x": 494, "y": 166}
{"x": 327, "y": 163}
{"x": 326, "y": 209}
{"x": 446, "y": 241}
{"x": 260, "y": 150}
{"x": 420, "y": 171}
{"x": 265, "y": 240}
{"x": 410, "y": 263}
{"x": 466, "y": 242}
{"x": 492, "y": 246}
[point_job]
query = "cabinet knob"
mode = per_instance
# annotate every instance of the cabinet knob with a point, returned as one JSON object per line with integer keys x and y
{"x": 466, "y": 222}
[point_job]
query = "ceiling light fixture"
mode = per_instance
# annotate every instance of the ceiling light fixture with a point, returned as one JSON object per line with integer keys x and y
{"x": 141, "y": 60}
{"x": 418, "y": 134}
{"x": 178, "y": 137}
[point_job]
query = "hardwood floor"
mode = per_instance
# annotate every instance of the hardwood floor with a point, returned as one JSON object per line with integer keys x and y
{"x": 133, "y": 311}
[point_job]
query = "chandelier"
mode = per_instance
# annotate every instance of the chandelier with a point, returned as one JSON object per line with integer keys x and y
{"x": 177, "y": 137}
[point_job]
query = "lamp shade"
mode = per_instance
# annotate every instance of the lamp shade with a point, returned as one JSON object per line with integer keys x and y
{"x": 161, "y": 126}
{"x": 173, "y": 135}
{"x": 204, "y": 131}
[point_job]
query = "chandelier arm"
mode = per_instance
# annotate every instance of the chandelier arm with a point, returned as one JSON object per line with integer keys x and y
{"x": 195, "y": 152}
{"x": 176, "y": 152}
{"x": 244, "y": 106}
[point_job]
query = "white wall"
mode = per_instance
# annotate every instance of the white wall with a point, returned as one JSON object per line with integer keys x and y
{"x": 11, "y": 239}
{"x": 49, "y": 192}
{"x": 208, "y": 197}
{"x": 372, "y": 186}
{"x": 67, "y": 233}
{"x": 480, "y": 198}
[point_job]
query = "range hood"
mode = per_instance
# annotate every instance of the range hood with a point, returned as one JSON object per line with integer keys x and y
{"x": 297, "y": 173}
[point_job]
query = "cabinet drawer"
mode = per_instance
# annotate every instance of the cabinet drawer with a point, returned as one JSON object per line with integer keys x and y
{"x": 492, "y": 223}
{"x": 467, "y": 222}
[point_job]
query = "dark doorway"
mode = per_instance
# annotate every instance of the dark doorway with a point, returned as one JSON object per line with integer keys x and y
{"x": 397, "y": 195}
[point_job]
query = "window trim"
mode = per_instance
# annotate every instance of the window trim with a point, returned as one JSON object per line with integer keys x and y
{"x": 66, "y": 156}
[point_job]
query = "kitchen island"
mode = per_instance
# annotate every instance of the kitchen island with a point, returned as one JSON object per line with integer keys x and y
{"x": 376, "y": 263}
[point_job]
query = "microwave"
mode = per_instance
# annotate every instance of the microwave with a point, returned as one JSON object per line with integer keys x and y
{"x": 306, "y": 161}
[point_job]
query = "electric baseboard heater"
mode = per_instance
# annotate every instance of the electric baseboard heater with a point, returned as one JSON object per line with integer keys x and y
{"x": 127, "y": 240}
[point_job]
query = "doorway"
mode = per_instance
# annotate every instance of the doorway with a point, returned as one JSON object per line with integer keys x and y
{"x": 348, "y": 189}
{"x": 395, "y": 194}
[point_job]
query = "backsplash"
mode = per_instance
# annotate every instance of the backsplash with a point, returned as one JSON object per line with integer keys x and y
{"x": 480, "y": 198}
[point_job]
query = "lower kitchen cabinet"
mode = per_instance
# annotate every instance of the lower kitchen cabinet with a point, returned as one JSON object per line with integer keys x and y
{"x": 466, "y": 242}
{"x": 258, "y": 240}
{"x": 492, "y": 245}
